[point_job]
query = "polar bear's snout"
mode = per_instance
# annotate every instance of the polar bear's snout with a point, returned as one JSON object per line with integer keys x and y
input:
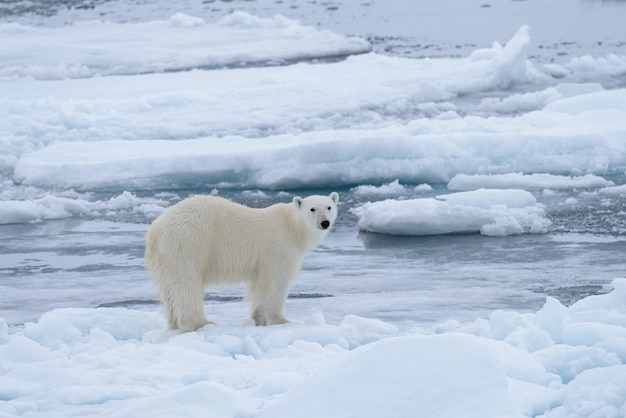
{"x": 325, "y": 224}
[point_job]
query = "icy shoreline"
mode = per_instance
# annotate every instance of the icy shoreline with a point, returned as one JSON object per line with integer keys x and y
{"x": 113, "y": 360}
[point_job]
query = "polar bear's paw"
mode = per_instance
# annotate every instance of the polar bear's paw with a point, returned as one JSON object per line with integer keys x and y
{"x": 261, "y": 319}
{"x": 195, "y": 325}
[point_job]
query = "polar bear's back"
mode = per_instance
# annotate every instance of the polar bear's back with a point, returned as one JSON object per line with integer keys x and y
{"x": 221, "y": 240}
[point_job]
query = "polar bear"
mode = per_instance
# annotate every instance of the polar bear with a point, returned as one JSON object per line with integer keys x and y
{"x": 208, "y": 240}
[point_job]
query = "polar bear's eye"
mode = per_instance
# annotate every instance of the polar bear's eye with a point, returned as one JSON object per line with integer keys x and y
{"x": 312, "y": 209}
{"x": 329, "y": 208}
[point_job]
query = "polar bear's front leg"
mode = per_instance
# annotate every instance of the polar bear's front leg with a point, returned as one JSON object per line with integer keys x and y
{"x": 269, "y": 303}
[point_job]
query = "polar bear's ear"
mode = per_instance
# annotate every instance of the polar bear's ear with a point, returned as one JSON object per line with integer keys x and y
{"x": 334, "y": 196}
{"x": 298, "y": 201}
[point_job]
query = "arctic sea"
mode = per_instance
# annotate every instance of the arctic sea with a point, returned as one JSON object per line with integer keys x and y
{"x": 479, "y": 151}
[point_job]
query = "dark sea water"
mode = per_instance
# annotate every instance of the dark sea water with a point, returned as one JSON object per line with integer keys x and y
{"x": 404, "y": 280}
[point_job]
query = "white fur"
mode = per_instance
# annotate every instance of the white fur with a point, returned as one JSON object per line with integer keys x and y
{"x": 207, "y": 240}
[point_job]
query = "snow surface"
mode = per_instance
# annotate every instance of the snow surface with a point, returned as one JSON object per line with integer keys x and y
{"x": 557, "y": 362}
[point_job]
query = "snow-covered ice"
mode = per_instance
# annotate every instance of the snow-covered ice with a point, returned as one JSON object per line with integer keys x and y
{"x": 490, "y": 212}
{"x": 509, "y": 126}
{"x": 535, "y": 181}
{"x": 582, "y": 141}
{"x": 556, "y": 362}
{"x": 182, "y": 42}
{"x": 311, "y": 124}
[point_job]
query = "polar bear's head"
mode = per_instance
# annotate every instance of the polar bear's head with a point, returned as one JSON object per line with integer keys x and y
{"x": 319, "y": 211}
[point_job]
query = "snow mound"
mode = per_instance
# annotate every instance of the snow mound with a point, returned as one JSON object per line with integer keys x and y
{"x": 586, "y": 68}
{"x": 51, "y": 207}
{"x": 536, "y": 181}
{"x": 390, "y": 188}
{"x": 490, "y": 212}
{"x": 443, "y": 375}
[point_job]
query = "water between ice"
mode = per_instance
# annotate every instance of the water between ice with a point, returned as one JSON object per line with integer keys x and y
{"x": 402, "y": 280}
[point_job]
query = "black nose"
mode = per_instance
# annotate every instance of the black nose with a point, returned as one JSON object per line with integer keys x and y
{"x": 325, "y": 224}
